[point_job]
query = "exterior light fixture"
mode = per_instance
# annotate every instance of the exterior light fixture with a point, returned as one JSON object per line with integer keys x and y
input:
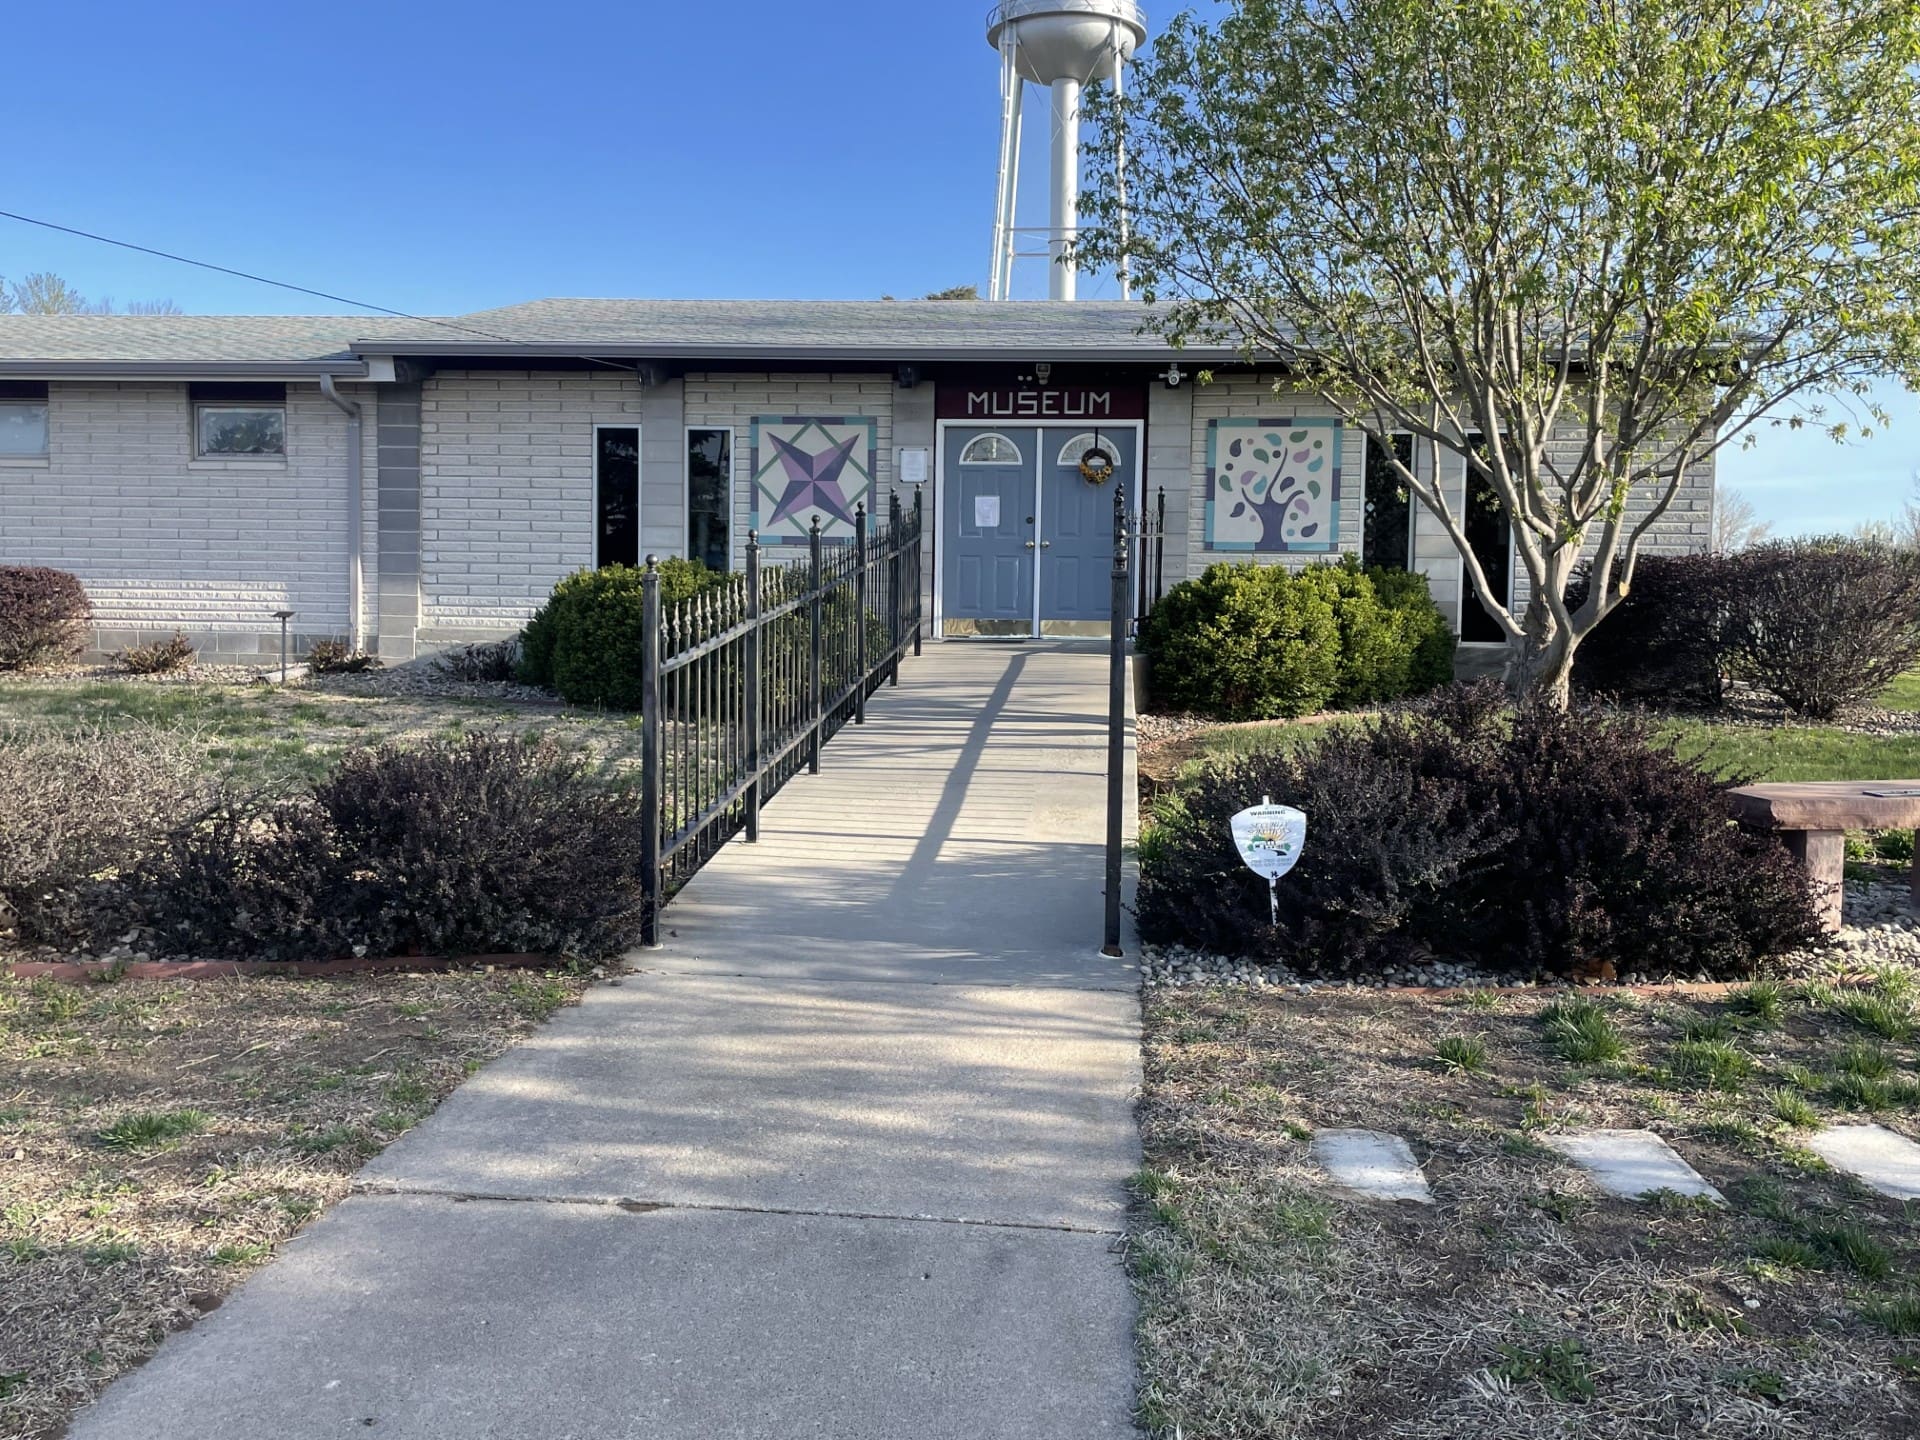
{"x": 1042, "y": 371}
{"x": 283, "y": 616}
{"x": 1174, "y": 375}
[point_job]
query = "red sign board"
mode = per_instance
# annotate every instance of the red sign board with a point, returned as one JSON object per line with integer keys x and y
{"x": 993, "y": 402}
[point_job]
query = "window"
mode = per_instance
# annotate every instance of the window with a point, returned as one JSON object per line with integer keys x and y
{"x": 1490, "y": 534}
{"x": 709, "y": 496}
{"x": 23, "y": 420}
{"x": 990, "y": 450}
{"x": 616, "y": 488}
{"x": 1386, "y": 525}
{"x": 239, "y": 421}
{"x": 1072, "y": 452}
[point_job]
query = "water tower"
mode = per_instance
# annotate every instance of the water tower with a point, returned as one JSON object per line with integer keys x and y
{"x": 1063, "y": 45}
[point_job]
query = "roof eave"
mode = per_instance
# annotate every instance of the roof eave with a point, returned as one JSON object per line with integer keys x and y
{"x": 850, "y": 354}
{"x": 352, "y": 368}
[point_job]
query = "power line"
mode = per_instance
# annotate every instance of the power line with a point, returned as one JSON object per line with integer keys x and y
{"x": 288, "y": 285}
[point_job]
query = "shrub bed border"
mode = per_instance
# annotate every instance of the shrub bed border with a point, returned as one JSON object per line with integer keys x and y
{"x": 102, "y": 972}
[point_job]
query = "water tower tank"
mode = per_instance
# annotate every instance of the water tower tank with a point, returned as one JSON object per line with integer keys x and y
{"x": 1063, "y": 45}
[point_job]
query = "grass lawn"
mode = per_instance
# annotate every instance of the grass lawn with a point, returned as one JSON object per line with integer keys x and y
{"x": 1749, "y": 752}
{"x": 159, "y": 1139}
{"x": 258, "y": 735}
{"x": 1523, "y": 1304}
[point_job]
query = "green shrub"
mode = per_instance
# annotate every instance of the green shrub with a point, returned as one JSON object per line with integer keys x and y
{"x": 586, "y": 640}
{"x": 45, "y": 616}
{"x": 1242, "y": 642}
{"x": 1406, "y": 593}
{"x": 1260, "y": 642}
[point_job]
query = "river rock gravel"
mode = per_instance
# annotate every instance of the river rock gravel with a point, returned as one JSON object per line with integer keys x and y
{"x": 1880, "y": 928}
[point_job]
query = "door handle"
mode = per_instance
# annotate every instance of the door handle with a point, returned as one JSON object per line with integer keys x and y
{"x": 1030, "y": 544}
{"x": 1046, "y": 544}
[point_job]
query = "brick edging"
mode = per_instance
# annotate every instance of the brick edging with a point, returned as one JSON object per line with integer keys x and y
{"x": 83, "y": 972}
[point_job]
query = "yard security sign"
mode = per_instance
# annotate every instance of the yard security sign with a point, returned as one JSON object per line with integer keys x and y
{"x": 1269, "y": 838}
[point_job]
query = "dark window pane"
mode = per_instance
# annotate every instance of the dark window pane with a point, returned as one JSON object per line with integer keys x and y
{"x": 1490, "y": 534}
{"x": 709, "y": 493}
{"x": 242, "y": 430}
{"x": 1386, "y": 535}
{"x": 616, "y": 470}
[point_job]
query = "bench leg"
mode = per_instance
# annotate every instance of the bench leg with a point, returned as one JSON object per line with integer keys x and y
{"x": 1823, "y": 854}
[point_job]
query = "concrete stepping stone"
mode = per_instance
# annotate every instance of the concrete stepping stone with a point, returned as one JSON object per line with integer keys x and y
{"x": 1371, "y": 1163}
{"x": 1632, "y": 1164}
{"x": 1883, "y": 1159}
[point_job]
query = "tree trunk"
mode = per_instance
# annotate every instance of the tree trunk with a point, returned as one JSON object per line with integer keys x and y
{"x": 1539, "y": 669}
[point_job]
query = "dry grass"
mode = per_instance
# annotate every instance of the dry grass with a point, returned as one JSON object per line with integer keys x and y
{"x": 259, "y": 735}
{"x": 158, "y": 1140}
{"x": 1522, "y": 1304}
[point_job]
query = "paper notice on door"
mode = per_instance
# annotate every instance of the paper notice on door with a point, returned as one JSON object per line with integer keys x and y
{"x": 986, "y": 512}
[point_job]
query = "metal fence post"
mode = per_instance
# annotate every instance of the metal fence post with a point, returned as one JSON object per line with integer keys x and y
{"x": 860, "y": 612}
{"x": 813, "y": 650}
{"x": 893, "y": 588}
{"x": 1116, "y": 721}
{"x": 750, "y": 680}
{"x": 652, "y": 755}
{"x": 918, "y": 532}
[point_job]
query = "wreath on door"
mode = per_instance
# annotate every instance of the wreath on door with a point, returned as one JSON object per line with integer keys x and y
{"x": 1097, "y": 464}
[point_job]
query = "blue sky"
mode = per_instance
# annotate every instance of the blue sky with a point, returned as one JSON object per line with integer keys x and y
{"x": 438, "y": 158}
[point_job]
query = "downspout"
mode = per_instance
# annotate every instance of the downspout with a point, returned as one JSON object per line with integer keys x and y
{"x": 356, "y": 583}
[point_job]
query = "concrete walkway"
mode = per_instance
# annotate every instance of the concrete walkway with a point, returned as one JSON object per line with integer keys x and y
{"x": 845, "y": 1158}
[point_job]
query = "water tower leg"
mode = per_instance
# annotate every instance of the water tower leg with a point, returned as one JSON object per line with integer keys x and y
{"x": 999, "y": 282}
{"x": 1011, "y": 237}
{"x": 1064, "y": 216}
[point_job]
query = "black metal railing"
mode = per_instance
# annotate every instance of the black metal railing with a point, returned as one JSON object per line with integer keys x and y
{"x": 1149, "y": 530}
{"x": 743, "y": 683}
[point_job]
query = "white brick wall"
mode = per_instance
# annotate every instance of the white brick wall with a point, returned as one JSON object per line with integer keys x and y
{"x": 506, "y": 489}
{"x": 1686, "y": 526}
{"x": 163, "y": 541}
{"x": 723, "y": 399}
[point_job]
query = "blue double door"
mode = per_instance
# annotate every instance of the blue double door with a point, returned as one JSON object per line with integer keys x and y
{"x": 1028, "y": 537}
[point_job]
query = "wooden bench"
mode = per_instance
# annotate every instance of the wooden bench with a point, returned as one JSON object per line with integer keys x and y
{"x": 1813, "y": 817}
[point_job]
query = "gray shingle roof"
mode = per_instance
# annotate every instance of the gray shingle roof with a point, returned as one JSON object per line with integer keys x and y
{"x": 830, "y": 330}
{"x": 797, "y": 329}
{"x": 298, "y": 344}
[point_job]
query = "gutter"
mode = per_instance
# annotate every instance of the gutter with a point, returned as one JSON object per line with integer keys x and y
{"x": 356, "y": 464}
{"x": 1005, "y": 352}
{"x": 29, "y": 369}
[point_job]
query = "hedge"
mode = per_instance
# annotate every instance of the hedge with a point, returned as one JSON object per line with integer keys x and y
{"x": 1258, "y": 642}
{"x": 1818, "y": 623}
{"x": 45, "y": 616}
{"x": 1558, "y": 843}
{"x": 586, "y": 640}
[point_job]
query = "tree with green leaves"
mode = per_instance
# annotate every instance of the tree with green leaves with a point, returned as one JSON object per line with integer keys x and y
{"x": 1620, "y": 234}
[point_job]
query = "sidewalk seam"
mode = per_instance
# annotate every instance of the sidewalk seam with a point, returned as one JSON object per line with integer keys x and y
{"x": 648, "y": 1207}
{"x": 961, "y": 984}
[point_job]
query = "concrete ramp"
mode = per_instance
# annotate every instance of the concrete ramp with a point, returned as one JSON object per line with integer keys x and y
{"x": 845, "y": 1158}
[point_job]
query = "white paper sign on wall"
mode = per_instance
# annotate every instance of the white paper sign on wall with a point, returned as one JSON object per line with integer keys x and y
{"x": 916, "y": 464}
{"x": 1270, "y": 838}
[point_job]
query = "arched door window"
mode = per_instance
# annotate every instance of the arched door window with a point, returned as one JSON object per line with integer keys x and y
{"x": 1075, "y": 449}
{"x": 991, "y": 449}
